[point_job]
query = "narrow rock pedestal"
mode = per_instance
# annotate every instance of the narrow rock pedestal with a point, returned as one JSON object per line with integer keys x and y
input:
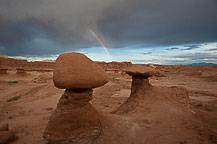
{"x": 74, "y": 98}
{"x": 139, "y": 87}
{"x": 75, "y": 120}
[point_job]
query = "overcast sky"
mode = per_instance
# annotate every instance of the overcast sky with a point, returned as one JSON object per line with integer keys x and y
{"x": 158, "y": 31}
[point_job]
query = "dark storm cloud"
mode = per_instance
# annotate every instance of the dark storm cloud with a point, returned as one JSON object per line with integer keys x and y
{"x": 191, "y": 47}
{"x": 30, "y": 27}
{"x": 174, "y": 48}
{"x": 41, "y": 27}
{"x": 157, "y": 22}
{"x": 198, "y": 56}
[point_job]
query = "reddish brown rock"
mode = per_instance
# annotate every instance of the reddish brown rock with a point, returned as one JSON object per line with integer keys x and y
{"x": 75, "y": 120}
{"x": 142, "y": 71}
{"x": 3, "y": 71}
{"x": 75, "y": 70}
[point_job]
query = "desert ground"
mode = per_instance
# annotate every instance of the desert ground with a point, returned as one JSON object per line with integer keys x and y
{"x": 27, "y": 101}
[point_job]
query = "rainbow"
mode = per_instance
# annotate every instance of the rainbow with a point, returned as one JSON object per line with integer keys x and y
{"x": 101, "y": 42}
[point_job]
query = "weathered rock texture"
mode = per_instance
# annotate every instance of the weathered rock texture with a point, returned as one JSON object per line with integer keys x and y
{"x": 3, "y": 71}
{"x": 76, "y": 121}
{"x": 75, "y": 70}
{"x": 43, "y": 78}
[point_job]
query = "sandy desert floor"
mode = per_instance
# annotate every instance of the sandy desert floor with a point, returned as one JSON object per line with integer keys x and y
{"x": 27, "y": 101}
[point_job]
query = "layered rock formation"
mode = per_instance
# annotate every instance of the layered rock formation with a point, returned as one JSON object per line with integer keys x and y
{"x": 75, "y": 120}
{"x": 116, "y": 66}
{"x": 24, "y": 64}
{"x": 3, "y": 71}
{"x": 21, "y": 71}
{"x": 49, "y": 65}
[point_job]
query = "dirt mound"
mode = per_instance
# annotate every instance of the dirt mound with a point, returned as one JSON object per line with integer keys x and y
{"x": 153, "y": 95}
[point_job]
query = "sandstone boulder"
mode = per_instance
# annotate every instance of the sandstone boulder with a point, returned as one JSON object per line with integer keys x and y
{"x": 141, "y": 71}
{"x": 75, "y": 70}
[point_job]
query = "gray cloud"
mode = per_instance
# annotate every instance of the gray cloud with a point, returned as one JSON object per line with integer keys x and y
{"x": 191, "y": 47}
{"x": 214, "y": 49}
{"x": 146, "y": 53}
{"x": 30, "y": 27}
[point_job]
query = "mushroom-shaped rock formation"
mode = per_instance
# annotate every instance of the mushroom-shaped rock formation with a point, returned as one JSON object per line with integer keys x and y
{"x": 21, "y": 71}
{"x": 3, "y": 71}
{"x": 139, "y": 87}
{"x": 75, "y": 120}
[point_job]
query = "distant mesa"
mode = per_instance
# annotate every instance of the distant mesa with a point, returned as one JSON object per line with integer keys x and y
{"x": 202, "y": 64}
{"x": 48, "y": 60}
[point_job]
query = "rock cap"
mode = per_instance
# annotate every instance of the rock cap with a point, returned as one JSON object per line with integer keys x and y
{"x": 75, "y": 70}
{"x": 142, "y": 71}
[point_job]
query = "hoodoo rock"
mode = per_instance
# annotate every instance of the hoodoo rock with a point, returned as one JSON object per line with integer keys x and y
{"x": 75, "y": 120}
{"x": 139, "y": 88}
{"x": 75, "y": 70}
